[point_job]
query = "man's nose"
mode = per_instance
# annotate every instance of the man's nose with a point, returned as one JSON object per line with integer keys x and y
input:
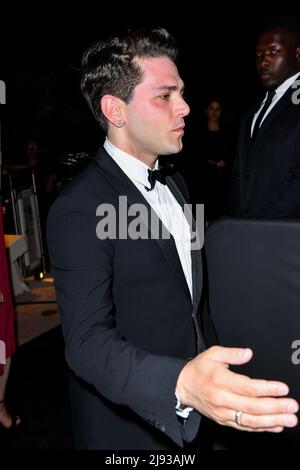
{"x": 263, "y": 60}
{"x": 183, "y": 108}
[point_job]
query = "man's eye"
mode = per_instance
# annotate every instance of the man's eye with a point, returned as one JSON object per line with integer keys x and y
{"x": 274, "y": 51}
{"x": 165, "y": 97}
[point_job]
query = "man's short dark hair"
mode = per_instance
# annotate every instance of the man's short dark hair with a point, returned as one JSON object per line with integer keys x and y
{"x": 290, "y": 24}
{"x": 110, "y": 67}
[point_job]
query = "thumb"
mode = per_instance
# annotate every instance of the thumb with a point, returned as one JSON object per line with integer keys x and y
{"x": 230, "y": 355}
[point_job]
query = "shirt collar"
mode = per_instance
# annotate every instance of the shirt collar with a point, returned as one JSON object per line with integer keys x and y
{"x": 135, "y": 169}
{"x": 286, "y": 84}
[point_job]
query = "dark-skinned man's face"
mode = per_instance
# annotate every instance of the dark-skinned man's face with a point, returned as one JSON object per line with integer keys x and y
{"x": 277, "y": 57}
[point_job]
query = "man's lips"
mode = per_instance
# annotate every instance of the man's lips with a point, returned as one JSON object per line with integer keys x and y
{"x": 179, "y": 129}
{"x": 264, "y": 75}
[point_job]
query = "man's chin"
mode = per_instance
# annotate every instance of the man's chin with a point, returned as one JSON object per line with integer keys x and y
{"x": 178, "y": 146}
{"x": 171, "y": 148}
{"x": 268, "y": 85}
{"x": 169, "y": 151}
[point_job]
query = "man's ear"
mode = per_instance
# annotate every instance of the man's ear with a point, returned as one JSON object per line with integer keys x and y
{"x": 298, "y": 54}
{"x": 112, "y": 108}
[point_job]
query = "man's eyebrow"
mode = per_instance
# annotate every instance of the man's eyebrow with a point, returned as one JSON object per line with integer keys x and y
{"x": 168, "y": 88}
{"x": 272, "y": 44}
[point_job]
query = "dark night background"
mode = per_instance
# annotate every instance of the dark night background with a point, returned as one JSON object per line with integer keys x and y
{"x": 40, "y": 50}
{"x": 41, "y": 55}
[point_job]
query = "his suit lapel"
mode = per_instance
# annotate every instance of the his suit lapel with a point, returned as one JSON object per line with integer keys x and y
{"x": 284, "y": 101}
{"x": 195, "y": 254}
{"x": 124, "y": 186}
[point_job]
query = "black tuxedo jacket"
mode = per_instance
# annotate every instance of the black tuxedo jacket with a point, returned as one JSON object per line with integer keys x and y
{"x": 266, "y": 176}
{"x": 127, "y": 316}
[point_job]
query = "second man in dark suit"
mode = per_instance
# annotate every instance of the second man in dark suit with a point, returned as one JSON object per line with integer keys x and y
{"x": 266, "y": 176}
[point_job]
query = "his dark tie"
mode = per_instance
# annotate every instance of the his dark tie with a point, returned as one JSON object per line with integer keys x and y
{"x": 159, "y": 175}
{"x": 270, "y": 96}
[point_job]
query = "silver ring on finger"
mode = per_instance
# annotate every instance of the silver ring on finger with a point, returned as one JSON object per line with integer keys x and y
{"x": 238, "y": 418}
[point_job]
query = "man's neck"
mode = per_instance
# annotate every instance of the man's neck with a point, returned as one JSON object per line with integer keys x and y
{"x": 149, "y": 160}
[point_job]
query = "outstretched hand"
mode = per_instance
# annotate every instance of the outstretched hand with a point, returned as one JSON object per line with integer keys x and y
{"x": 207, "y": 384}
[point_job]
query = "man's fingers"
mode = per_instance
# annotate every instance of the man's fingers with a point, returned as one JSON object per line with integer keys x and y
{"x": 239, "y": 383}
{"x": 234, "y": 356}
{"x": 276, "y": 429}
{"x": 247, "y": 422}
{"x": 269, "y": 421}
{"x": 256, "y": 406}
{"x": 245, "y": 386}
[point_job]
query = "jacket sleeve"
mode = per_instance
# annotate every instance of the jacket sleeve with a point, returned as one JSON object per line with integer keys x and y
{"x": 96, "y": 352}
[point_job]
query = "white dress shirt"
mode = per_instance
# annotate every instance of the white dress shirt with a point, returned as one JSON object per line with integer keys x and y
{"x": 162, "y": 202}
{"x": 279, "y": 92}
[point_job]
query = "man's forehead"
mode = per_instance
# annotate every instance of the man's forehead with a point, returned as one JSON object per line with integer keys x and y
{"x": 157, "y": 66}
{"x": 275, "y": 36}
{"x": 160, "y": 73}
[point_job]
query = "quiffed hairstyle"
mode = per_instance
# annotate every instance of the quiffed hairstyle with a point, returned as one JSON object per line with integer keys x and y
{"x": 110, "y": 67}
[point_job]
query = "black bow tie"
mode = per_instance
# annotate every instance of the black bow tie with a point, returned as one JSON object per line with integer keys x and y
{"x": 159, "y": 175}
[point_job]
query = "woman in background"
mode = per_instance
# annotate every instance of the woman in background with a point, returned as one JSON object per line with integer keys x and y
{"x": 216, "y": 153}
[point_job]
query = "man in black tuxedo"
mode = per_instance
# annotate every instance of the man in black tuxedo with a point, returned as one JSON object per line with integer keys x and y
{"x": 266, "y": 176}
{"x": 129, "y": 288}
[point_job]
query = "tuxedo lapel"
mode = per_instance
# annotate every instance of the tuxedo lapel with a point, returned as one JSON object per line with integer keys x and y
{"x": 195, "y": 254}
{"x": 284, "y": 101}
{"x": 124, "y": 187}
